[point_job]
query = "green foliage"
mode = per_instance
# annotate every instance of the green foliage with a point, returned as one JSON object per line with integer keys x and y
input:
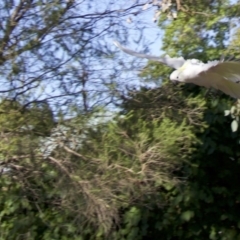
{"x": 166, "y": 167}
{"x": 234, "y": 112}
{"x": 206, "y": 205}
{"x": 85, "y": 180}
{"x": 198, "y": 36}
{"x": 19, "y": 128}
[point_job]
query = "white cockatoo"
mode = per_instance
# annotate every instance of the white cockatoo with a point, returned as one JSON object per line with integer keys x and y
{"x": 221, "y": 75}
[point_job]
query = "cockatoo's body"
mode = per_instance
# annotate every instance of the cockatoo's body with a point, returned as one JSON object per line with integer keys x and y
{"x": 224, "y": 76}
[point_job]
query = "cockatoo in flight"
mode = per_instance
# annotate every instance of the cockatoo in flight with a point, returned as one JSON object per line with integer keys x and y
{"x": 224, "y": 76}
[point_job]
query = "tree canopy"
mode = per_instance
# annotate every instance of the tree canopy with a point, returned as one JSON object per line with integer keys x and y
{"x": 87, "y": 152}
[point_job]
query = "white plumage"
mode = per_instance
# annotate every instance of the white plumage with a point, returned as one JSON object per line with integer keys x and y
{"x": 224, "y": 76}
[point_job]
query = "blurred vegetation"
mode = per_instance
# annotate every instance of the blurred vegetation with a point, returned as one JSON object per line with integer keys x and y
{"x": 165, "y": 166}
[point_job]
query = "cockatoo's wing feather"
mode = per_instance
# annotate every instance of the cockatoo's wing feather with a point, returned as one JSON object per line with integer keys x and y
{"x": 228, "y": 87}
{"x": 166, "y": 60}
{"x": 224, "y": 76}
{"x": 228, "y": 70}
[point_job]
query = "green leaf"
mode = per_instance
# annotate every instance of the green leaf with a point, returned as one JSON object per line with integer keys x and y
{"x": 234, "y": 125}
{"x": 226, "y": 112}
{"x": 186, "y": 216}
{"x": 233, "y": 108}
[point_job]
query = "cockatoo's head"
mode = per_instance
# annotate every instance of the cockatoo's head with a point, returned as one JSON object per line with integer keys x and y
{"x": 178, "y": 75}
{"x": 186, "y": 71}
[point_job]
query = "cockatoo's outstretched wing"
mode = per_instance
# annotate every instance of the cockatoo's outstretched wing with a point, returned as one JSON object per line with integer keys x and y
{"x": 221, "y": 75}
{"x": 224, "y": 76}
{"x": 166, "y": 60}
{"x": 229, "y": 74}
{"x": 228, "y": 70}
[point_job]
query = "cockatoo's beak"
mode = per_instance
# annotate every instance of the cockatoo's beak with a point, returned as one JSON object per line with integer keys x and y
{"x": 175, "y": 83}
